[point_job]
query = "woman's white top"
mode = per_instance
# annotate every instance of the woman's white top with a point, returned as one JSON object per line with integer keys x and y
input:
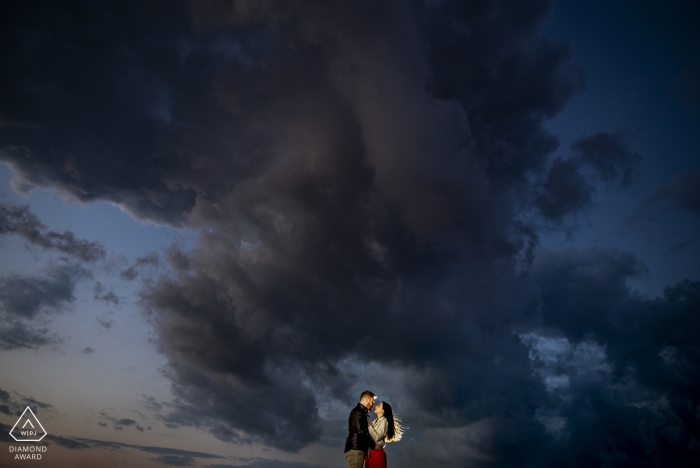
{"x": 378, "y": 430}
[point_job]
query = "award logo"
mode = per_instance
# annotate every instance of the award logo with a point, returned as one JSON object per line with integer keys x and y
{"x": 28, "y": 428}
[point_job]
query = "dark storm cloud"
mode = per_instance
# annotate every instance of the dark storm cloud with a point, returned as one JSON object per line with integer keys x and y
{"x": 609, "y": 156}
{"x": 569, "y": 188}
{"x": 586, "y": 284}
{"x": 397, "y": 136}
{"x": 679, "y": 247}
{"x": 351, "y": 163}
{"x": 357, "y": 173}
{"x": 686, "y": 88}
{"x": 65, "y": 132}
{"x": 620, "y": 376}
{"x": 190, "y": 115}
{"x": 624, "y": 379}
{"x": 682, "y": 193}
{"x": 27, "y": 301}
{"x": 21, "y": 221}
{"x": 564, "y": 192}
{"x": 96, "y": 110}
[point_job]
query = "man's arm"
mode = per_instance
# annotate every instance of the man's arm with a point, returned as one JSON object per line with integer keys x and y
{"x": 355, "y": 425}
{"x": 363, "y": 433}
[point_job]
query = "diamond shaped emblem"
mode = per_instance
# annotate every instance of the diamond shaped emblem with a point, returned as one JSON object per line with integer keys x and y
{"x": 28, "y": 428}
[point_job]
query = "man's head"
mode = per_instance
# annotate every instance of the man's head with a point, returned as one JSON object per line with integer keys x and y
{"x": 367, "y": 399}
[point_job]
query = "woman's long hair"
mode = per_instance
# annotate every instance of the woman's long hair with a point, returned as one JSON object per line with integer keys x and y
{"x": 394, "y": 430}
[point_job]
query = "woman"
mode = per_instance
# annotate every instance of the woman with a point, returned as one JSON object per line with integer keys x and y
{"x": 386, "y": 428}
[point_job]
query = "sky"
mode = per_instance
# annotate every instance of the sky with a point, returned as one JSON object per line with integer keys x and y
{"x": 220, "y": 222}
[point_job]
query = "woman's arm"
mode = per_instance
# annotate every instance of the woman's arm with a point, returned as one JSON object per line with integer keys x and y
{"x": 378, "y": 430}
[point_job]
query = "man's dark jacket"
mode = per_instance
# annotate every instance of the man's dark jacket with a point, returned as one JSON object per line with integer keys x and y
{"x": 358, "y": 430}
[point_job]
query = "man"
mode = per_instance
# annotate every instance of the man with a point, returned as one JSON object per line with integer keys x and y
{"x": 359, "y": 441}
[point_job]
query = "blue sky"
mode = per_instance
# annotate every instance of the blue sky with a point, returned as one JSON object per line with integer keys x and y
{"x": 634, "y": 53}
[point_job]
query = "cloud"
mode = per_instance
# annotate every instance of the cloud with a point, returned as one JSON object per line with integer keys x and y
{"x": 21, "y": 221}
{"x": 609, "y": 156}
{"x": 131, "y": 273}
{"x": 31, "y": 299}
{"x": 107, "y": 297}
{"x": 14, "y": 404}
{"x": 614, "y": 362}
{"x": 682, "y": 193}
{"x": 680, "y": 246}
{"x": 263, "y": 463}
{"x": 589, "y": 284}
{"x": 564, "y": 192}
{"x": 66, "y": 141}
{"x": 27, "y": 296}
{"x": 686, "y": 90}
{"x": 79, "y": 443}
{"x": 617, "y": 386}
{"x": 151, "y": 403}
{"x": 16, "y": 335}
{"x": 105, "y": 323}
{"x": 120, "y": 423}
{"x": 570, "y": 184}
{"x": 157, "y": 89}
{"x": 5, "y": 398}
{"x": 380, "y": 194}
{"x": 175, "y": 452}
{"x": 175, "y": 460}
{"x": 357, "y": 174}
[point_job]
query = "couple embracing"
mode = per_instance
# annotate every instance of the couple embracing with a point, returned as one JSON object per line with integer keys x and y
{"x": 366, "y": 441}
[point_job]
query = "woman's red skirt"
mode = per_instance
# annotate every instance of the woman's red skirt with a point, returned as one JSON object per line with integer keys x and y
{"x": 375, "y": 459}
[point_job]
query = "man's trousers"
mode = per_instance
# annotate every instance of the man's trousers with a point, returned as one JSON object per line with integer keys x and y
{"x": 355, "y": 458}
